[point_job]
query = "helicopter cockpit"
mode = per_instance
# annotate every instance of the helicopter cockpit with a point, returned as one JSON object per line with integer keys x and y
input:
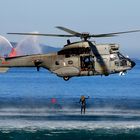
{"x": 116, "y": 56}
{"x": 123, "y": 60}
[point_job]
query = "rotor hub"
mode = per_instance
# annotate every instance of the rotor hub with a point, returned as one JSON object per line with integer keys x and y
{"x": 85, "y": 35}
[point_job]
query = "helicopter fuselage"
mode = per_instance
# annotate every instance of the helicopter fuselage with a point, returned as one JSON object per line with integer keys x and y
{"x": 75, "y": 59}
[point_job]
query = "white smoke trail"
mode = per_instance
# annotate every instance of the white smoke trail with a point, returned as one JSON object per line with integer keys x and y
{"x": 28, "y": 46}
{"x": 5, "y": 47}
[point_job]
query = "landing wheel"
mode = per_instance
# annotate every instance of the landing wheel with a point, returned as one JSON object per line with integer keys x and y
{"x": 106, "y": 74}
{"x": 66, "y": 78}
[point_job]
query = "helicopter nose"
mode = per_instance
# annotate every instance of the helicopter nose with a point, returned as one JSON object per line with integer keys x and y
{"x": 132, "y": 64}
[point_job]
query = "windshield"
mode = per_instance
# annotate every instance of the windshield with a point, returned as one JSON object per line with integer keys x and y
{"x": 121, "y": 56}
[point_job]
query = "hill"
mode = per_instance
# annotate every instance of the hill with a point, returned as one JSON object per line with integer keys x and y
{"x": 44, "y": 48}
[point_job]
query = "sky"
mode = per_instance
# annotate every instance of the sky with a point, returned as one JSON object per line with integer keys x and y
{"x": 93, "y": 16}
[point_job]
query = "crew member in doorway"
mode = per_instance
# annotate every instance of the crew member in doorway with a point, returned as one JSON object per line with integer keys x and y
{"x": 83, "y": 103}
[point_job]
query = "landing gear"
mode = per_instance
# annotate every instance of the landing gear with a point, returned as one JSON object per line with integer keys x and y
{"x": 66, "y": 78}
{"x": 106, "y": 74}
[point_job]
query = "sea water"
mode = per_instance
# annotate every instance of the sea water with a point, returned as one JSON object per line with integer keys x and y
{"x": 40, "y": 105}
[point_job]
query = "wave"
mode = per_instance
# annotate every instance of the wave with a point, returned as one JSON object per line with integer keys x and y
{"x": 13, "y": 124}
{"x": 70, "y": 118}
{"x": 98, "y": 134}
{"x": 68, "y": 124}
{"x": 41, "y": 119}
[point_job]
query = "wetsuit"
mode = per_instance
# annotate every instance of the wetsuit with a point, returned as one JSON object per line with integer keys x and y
{"x": 83, "y": 104}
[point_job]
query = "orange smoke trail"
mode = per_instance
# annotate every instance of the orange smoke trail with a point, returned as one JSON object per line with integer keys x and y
{"x": 13, "y": 52}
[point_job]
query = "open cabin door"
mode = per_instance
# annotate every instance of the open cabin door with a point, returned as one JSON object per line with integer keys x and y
{"x": 87, "y": 63}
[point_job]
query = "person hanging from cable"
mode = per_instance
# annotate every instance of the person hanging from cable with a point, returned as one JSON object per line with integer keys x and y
{"x": 83, "y": 103}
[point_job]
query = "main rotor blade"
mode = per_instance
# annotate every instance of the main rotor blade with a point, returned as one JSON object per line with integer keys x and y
{"x": 76, "y": 34}
{"x": 113, "y": 34}
{"x": 53, "y": 35}
{"x": 69, "y": 31}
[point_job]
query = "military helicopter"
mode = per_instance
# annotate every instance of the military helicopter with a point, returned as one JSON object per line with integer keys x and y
{"x": 83, "y": 58}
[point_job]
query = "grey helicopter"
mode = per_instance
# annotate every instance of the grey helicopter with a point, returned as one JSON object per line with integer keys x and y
{"x": 75, "y": 59}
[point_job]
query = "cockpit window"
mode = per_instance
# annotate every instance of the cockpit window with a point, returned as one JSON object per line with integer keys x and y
{"x": 121, "y": 56}
{"x": 123, "y": 60}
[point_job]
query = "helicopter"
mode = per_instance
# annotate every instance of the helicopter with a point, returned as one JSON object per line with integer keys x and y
{"x": 75, "y": 59}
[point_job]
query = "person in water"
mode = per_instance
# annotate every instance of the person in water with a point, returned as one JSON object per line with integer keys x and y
{"x": 83, "y": 103}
